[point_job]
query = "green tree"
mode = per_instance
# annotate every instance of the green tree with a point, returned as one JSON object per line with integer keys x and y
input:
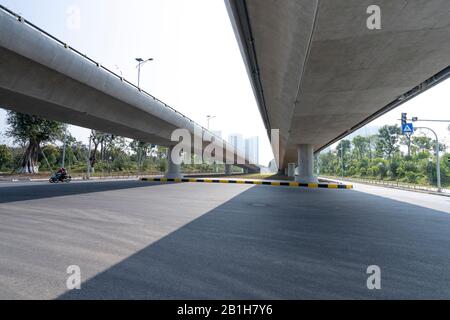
{"x": 116, "y": 152}
{"x": 372, "y": 143}
{"x": 30, "y": 131}
{"x": 382, "y": 167}
{"x": 343, "y": 152}
{"x": 6, "y": 157}
{"x": 142, "y": 150}
{"x": 98, "y": 139}
{"x": 421, "y": 143}
{"x": 328, "y": 163}
{"x": 361, "y": 146}
{"x": 387, "y": 143}
{"x": 406, "y": 139}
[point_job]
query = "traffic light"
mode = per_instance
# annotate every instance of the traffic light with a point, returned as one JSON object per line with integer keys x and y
{"x": 404, "y": 117}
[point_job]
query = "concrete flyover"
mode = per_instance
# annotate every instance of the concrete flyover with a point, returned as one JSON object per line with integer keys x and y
{"x": 43, "y": 76}
{"x": 319, "y": 73}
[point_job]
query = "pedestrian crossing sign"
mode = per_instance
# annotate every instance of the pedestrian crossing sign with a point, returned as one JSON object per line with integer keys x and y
{"x": 408, "y": 128}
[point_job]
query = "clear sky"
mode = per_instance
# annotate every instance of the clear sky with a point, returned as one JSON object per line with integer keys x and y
{"x": 197, "y": 67}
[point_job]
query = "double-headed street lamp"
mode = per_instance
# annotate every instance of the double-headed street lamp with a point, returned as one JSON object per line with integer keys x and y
{"x": 140, "y": 63}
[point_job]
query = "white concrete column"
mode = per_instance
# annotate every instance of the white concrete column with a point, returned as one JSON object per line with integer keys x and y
{"x": 173, "y": 170}
{"x": 228, "y": 171}
{"x": 306, "y": 164}
{"x": 291, "y": 170}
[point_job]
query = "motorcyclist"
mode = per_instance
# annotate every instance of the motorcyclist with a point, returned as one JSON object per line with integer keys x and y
{"x": 61, "y": 174}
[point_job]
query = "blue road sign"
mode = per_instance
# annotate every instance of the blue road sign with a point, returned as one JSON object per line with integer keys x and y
{"x": 408, "y": 128}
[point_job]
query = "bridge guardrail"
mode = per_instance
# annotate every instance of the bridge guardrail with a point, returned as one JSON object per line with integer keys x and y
{"x": 396, "y": 183}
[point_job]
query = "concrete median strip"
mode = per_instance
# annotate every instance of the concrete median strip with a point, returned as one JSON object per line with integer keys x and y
{"x": 257, "y": 182}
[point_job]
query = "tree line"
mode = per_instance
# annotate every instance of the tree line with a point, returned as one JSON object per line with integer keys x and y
{"x": 38, "y": 146}
{"x": 380, "y": 156}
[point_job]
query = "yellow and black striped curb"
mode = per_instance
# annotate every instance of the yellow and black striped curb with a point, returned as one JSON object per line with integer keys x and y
{"x": 257, "y": 182}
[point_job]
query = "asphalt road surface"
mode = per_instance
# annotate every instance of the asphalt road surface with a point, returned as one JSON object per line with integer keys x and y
{"x": 138, "y": 240}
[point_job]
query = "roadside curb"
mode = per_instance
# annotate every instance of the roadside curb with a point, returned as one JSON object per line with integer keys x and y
{"x": 257, "y": 182}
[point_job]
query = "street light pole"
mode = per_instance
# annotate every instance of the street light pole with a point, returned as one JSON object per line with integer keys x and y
{"x": 438, "y": 165}
{"x": 89, "y": 158}
{"x": 139, "y": 75}
{"x": 139, "y": 159}
{"x": 140, "y": 63}
{"x": 342, "y": 159}
{"x": 208, "y": 118}
{"x": 64, "y": 149}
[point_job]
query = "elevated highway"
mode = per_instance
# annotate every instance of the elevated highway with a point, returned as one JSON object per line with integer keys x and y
{"x": 319, "y": 73}
{"x": 44, "y": 76}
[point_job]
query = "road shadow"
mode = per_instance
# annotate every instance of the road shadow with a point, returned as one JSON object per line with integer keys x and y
{"x": 41, "y": 191}
{"x": 287, "y": 243}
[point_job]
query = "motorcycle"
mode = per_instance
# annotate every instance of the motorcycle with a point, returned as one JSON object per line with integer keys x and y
{"x": 56, "y": 178}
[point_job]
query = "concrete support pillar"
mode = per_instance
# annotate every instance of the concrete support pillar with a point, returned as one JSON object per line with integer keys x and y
{"x": 228, "y": 171}
{"x": 306, "y": 164}
{"x": 291, "y": 170}
{"x": 173, "y": 170}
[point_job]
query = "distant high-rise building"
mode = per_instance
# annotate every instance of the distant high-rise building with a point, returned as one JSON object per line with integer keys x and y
{"x": 252, "y": 149}
{"x": 237, "y": 141}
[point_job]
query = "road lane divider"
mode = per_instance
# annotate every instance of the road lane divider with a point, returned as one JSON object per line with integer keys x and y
{"x": 256, "y": 182}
